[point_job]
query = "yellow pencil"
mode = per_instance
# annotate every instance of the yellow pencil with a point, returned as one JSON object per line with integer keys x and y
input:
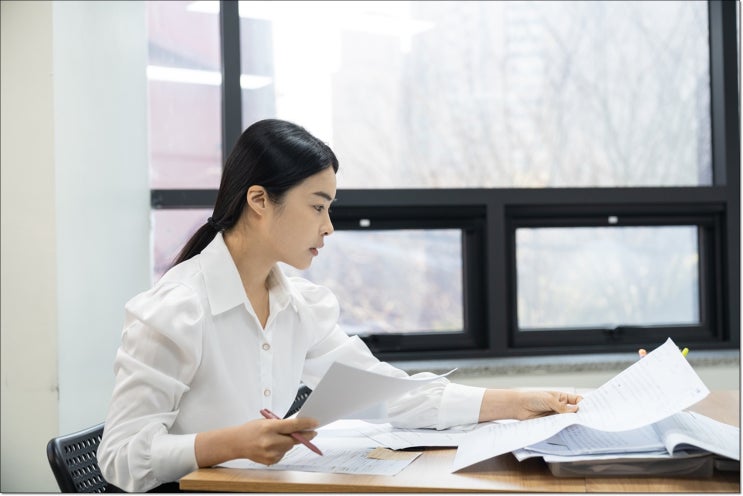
{"x": 685, "y": 351}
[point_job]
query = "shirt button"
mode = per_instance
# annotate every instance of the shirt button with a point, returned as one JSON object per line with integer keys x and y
{"x": 266, "y": 346}
{"x": 266, "y": 392}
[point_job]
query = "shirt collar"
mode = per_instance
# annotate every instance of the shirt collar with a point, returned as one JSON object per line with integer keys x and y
{"x": 282, "y": 291}
{"x": 224, "y": 287}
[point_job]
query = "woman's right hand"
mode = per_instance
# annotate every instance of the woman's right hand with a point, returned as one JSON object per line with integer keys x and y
{"x": 264, "y": 441}
{"x": 271, "y": 439}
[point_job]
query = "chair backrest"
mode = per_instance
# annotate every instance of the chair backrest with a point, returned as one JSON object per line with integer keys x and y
{"x": 302, "y": 394}
{"x": 75, "y": 464}
{"x": 73, "y": 460}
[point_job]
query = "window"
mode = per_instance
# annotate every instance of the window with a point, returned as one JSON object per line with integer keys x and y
{"x": 516, "y": 177}
{"x": 606, "y": 277}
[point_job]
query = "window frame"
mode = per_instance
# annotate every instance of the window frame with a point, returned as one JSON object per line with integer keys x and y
{"x": 708, "y": 221}
{"x": 470, "y": 220}
{"x": 492, "y": 331}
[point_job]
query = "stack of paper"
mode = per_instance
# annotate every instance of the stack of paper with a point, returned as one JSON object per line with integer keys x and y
{"x": 686, "y": 432}
{"x": 652, "y": 390}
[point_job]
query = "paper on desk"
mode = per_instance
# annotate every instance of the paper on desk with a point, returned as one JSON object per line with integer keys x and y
{"x": 344, "y": 391}
{"x": 580, "y": 440}
{"x": 651, "y": 389}
{"x": 682, "y": 431}
{"x": 335, "y": 460}
{"x": 347, "y": 449}
{"x": 693, "y": 429}
{"x": 629, "y": 457}
{"x": 397, "y": 438}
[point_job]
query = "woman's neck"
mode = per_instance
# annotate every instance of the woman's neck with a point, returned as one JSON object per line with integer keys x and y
{"x": 254, "y": 268}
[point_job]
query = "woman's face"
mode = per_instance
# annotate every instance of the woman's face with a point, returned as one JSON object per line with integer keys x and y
{"x": 300, "y": 223}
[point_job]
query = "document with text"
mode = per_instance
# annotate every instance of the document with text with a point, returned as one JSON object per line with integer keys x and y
{"x": 687, "y": 431}
{"x": 650, "y": 390}
{"x": 347, "y": 449}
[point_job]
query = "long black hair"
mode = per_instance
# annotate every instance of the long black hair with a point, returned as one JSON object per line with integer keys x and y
{"x": 272, "y": 153}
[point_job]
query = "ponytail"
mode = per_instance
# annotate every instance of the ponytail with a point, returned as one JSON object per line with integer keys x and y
{"x": 198, "y": 241}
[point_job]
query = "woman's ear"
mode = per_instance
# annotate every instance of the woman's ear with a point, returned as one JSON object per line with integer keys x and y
{"x": 257, "y": 199}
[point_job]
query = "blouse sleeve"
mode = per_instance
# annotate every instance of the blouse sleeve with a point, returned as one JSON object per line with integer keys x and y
{"x": 439, "y": 404}
{"x": 159, "y": 353}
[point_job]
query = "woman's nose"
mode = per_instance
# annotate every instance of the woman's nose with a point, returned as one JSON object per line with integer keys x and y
{"x": 328, "y": 230}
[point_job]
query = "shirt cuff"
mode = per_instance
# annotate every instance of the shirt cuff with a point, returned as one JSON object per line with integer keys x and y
{"x": 460, "y": 405}
{"x": 173, "y": 456}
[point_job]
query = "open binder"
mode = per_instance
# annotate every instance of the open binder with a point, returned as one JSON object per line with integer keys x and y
{"x": 684, "y": 444}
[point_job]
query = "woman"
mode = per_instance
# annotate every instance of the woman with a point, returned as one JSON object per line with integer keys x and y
{"x": 225, "y": 333}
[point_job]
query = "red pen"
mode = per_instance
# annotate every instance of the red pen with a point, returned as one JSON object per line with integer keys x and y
{"x": 270, "y": 415}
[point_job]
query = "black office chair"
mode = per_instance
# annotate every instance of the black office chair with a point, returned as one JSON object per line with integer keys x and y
{"x": 73, "y": 460}
{"x": 302, "y": 394}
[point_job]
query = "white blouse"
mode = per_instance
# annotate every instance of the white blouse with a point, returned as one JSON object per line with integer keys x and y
{"x": 194, "y": 357}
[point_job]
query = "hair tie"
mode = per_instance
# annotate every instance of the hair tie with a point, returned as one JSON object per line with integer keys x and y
{"x": 214, "y": 224}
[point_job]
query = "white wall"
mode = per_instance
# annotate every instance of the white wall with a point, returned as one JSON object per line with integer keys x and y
{"x": 75, "y": 217}
{"x": 28, "y": 307}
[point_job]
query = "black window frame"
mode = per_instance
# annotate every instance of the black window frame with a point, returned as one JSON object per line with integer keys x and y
{"x": 491, "y": 321}
{"x": 470, "y": 221}
{"x": 708, "y": 222}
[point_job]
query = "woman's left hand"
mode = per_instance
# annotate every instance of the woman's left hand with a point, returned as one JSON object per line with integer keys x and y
{"x": 499, "y": 404}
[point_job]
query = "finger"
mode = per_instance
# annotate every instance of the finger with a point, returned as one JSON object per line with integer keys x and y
{"x": 569, "y": 398}
{"x": 297, "y": 424}
{"x": 307, "y": 435}
{"x": 566, "y": 403}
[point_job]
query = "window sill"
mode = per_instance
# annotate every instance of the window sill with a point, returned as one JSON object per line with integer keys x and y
{"x": 552, "y": 364}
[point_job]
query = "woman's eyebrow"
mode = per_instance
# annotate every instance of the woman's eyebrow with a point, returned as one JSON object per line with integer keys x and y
{"x": 324, "y": 196}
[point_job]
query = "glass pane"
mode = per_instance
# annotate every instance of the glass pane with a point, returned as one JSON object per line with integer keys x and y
{"x": 171, "y": 229}
{"x": 393, "y": 281}
{"x": 184, "y": 96}
{"x": 488, "y": 94}
{"x": 607, "y": 276}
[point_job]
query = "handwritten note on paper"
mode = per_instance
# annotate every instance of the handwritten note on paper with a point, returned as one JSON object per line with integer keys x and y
{"x": 344, "y": 391}
{"x": 651, "y": 389}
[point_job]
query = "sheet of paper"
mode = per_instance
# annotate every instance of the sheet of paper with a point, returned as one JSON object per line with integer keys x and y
{"x": 414, "y": 438}
{"x": 579, "y": 440}
{"x": 680, "y": 434}
{"x": 523, "y": 453}
{"x": 344, "y": 390}
{"x": 335, "y": 460}
{"x": 347, "y": 448}
{"x": 394, "y": 437}
{"x": 651, "y": 389}
{"x": 690, "y": 428}
{"x": 632, "y": 457}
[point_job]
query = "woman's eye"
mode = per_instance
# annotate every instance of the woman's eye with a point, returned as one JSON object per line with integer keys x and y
{"x": 319, "y": 208}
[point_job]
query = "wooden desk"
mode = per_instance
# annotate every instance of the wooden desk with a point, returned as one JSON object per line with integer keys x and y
{"x": 431, "y": 473}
